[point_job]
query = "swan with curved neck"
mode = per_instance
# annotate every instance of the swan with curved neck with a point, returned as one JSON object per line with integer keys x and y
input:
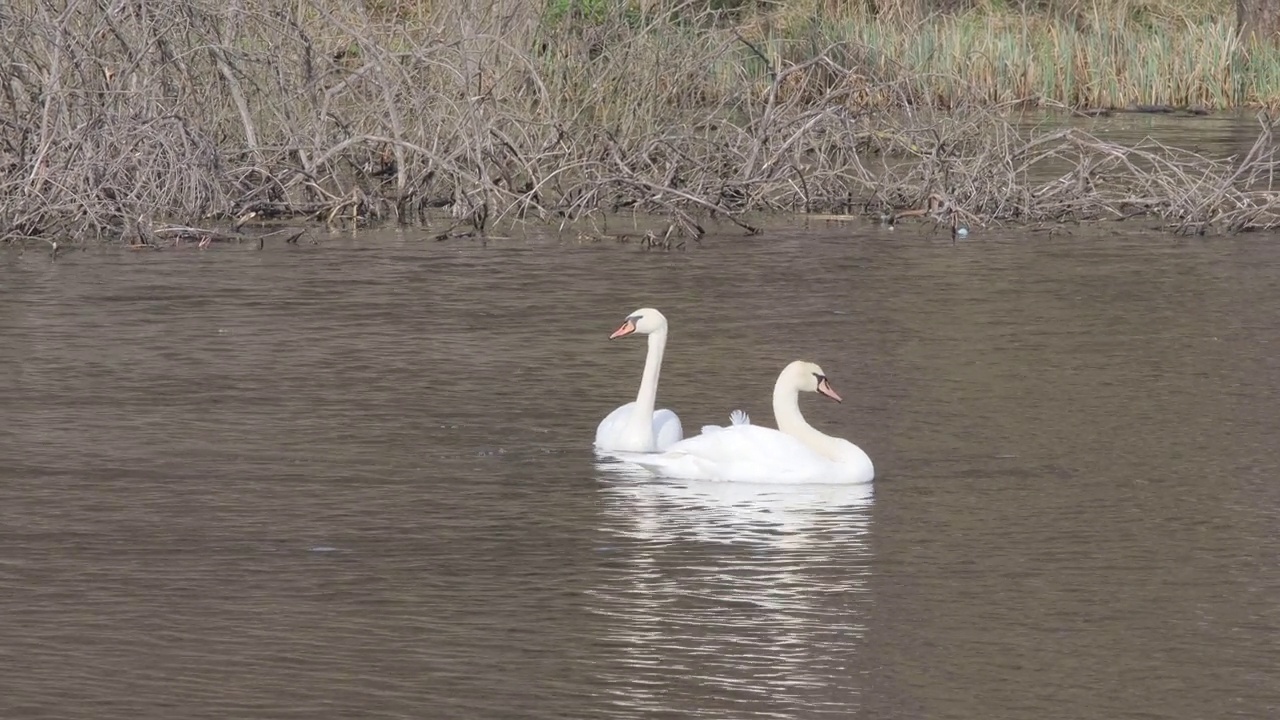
{"x": 636, "y": 426}
{"x": 796, "y": 452}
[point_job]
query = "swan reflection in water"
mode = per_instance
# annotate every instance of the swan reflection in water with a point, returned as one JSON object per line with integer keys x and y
{"x": 730, "y": 599}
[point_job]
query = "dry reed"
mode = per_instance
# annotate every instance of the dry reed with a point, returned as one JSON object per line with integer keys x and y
{"x": 1117, "y": 55}
{"x": 121, "y": 117}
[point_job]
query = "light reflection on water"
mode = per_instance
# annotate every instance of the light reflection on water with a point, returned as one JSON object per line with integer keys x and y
{"x": 724, "y": 595}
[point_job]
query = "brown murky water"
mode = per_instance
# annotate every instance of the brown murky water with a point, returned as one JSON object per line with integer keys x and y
{"x": 355, "y": 480}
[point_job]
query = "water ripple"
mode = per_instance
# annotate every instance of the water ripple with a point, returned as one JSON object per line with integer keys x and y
{"x": 354, "y": 480}
{"x": 753, "y": 595}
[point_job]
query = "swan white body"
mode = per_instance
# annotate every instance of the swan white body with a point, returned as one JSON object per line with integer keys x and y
{"x": 794, "y": 453}
{"x": 637, "y": 426}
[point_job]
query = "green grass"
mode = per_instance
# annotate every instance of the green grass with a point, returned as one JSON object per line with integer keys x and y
{"x": 1111, "y": 60}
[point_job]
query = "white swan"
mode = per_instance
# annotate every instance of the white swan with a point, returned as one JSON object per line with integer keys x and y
{"x": 636, "y": 427}
{"x": 794, "y": 453}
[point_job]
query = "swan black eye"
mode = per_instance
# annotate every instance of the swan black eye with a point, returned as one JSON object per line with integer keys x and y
{"x": 635, "y": 318}
{"x": 820, "y": 377}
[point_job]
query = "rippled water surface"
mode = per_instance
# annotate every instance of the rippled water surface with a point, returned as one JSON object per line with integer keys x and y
{"x": 355, "y": 479}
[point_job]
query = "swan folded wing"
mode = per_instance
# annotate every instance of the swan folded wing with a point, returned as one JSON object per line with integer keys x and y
{"x": 666, "y": 428}
{"x": 612, "y": 425}
{"x": 742, "y": 453}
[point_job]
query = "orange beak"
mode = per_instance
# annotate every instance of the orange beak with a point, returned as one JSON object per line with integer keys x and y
{"x": 627, "y": 328}
{"x": 824, "y": 387}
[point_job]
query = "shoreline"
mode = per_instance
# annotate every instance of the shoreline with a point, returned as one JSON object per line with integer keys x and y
{"x": 346, "y": 118}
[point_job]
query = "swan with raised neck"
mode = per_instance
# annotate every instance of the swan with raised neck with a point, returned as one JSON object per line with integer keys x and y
{"x": 796, "y": 452}
{"x": 803, "y": 376}
{"x": 636, "y": 426}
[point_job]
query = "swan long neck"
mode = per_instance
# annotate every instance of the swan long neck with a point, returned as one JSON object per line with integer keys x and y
{"x": 786, "y": 412}
{"x": 648, "y": 395}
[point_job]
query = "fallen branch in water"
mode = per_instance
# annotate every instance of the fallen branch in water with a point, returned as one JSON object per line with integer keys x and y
{"x": 176, "y": 235}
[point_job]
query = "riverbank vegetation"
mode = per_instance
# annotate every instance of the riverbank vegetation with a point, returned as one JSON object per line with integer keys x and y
{"x": 189, "y": 120}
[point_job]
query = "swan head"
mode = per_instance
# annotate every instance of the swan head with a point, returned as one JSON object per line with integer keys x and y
{"x": 809, "y": 377}
{"x": 645, "y": 321}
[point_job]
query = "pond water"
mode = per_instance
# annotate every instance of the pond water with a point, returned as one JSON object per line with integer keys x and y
{"x": 355, "y": 479}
